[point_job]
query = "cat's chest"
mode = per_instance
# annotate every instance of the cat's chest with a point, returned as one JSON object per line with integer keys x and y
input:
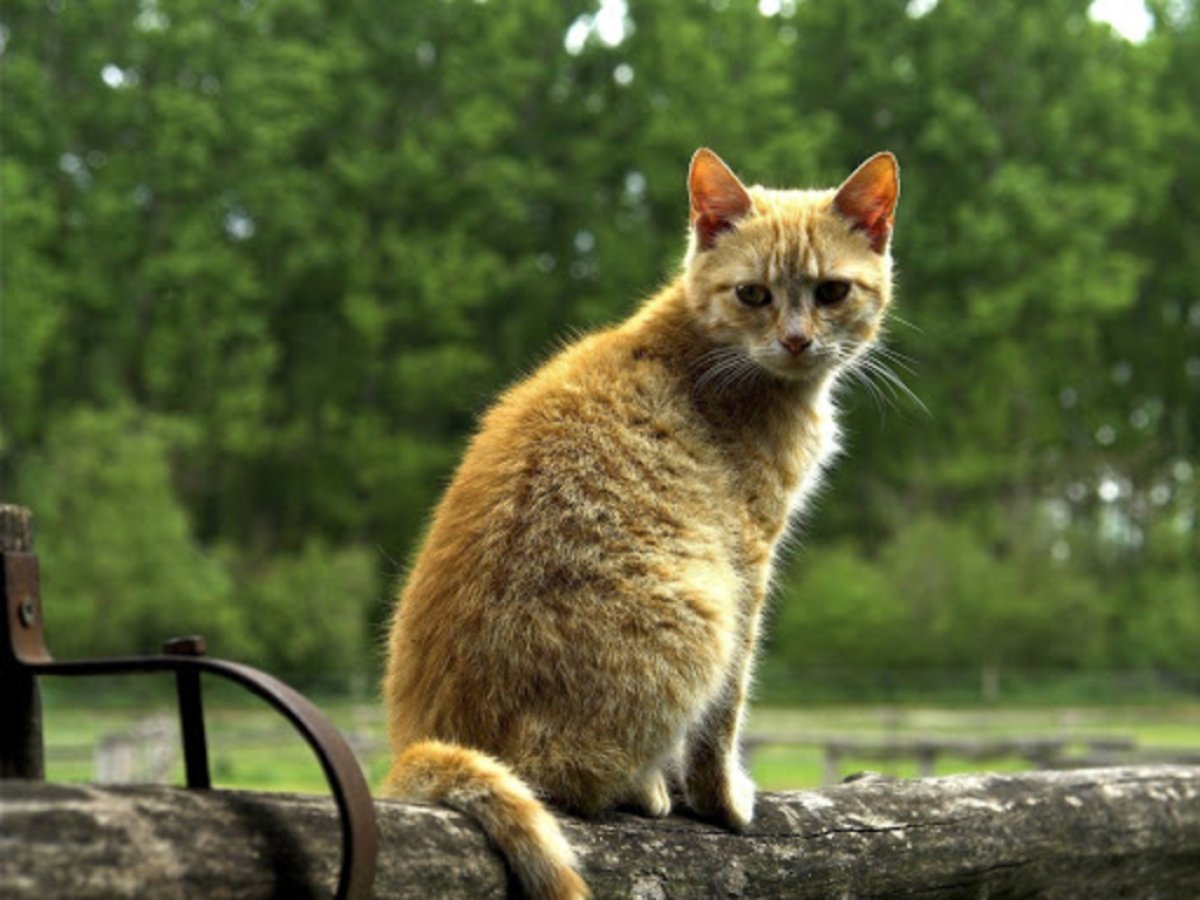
{"x": 777, "y": 479}
{"x": 811, "y": 456}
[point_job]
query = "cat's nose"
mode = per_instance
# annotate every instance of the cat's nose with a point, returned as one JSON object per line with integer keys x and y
{"x": 795, "y": 343}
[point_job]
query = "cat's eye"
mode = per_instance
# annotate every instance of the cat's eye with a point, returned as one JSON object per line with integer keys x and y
{"x": 753, "y": 294}
{"x": 827, "y": 293}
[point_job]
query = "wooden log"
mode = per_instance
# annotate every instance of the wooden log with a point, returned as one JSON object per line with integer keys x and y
{"x": 1088, "y": 833}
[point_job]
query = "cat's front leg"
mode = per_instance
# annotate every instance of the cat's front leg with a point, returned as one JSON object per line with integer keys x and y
{"x": 715, "y": 783}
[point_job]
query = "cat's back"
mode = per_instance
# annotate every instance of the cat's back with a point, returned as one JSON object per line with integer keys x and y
{"x": 586, "y": 454}
{"x": 587, "y": 493}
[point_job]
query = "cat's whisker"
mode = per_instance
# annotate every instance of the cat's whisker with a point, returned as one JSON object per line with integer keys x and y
{"x": 891, "y": 351}
{"x": 882, "y": 365}
{"x": 724, "y": 378}
{"x": 862, "y": 370}
{"x": 744, "y": 374}
{"x": 893, "y": 381}
{"x": 881, "y": 400}
{"x": 718, "y": 362}
{"x": 895, "y": 357}
{"x": 711, "y": 361}
{"x": 892, "y": 317}
{"x": 724, "y": 369}
{"x": 720, "y": 377}
{"x": 858, "y": 376}
{"x": 720, "y": 353}
{"x": 871, "y": 390}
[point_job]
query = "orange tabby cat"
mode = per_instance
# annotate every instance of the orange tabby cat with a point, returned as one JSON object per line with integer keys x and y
{"x": 582, "y": 619}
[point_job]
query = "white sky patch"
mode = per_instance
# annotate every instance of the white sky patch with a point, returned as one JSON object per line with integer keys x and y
{"x": 1109, "y": 489}
{"x": 239, "y": 225}
{"x": 1130, "y": 18}
{"x": 785, "y": 8}
{"x": 610, "y": 23}
{"x": 577, "y": 34}
{"x": 113, "y": 76}
{"x": 150, "y": 17}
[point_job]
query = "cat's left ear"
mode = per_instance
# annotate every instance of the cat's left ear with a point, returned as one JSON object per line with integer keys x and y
{"x": 868, "y": 198}
{"x": 718, "y": 198}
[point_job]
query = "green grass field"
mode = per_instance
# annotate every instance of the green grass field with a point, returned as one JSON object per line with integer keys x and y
{"x": 1166, "y": 728}
{"x": 252, "y": 747}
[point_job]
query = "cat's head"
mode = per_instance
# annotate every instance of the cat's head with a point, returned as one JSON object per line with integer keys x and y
{"x": 796, "y": 280}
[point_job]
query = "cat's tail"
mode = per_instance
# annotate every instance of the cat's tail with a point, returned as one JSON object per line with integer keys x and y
{"x": 489, "y": 792}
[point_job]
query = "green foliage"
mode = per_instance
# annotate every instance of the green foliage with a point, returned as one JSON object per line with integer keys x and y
{"x": 123, "y": 571}
{"x": 838, "y": 611}
{"x": 305, "y": 614}
{"x": 937, "y": 596}
{"x": 263, "y": 264}
{"x": 1165, "y": 631}
{"x": 120, "y": 569}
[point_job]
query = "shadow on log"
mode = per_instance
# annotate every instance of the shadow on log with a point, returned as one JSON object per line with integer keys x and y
{"x": 1132, "y": 832}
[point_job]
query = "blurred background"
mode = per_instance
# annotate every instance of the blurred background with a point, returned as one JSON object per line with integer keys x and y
{"x": 265, "y": 262}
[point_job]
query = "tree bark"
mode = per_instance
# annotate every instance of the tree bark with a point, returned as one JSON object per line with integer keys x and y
{"x": 1091, "y": 833}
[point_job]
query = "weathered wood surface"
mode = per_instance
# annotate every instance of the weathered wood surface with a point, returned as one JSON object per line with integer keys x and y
{"x": 22, "y": 753}
{"x": 16, "y": 529}
{"x": 1125, "y": 832}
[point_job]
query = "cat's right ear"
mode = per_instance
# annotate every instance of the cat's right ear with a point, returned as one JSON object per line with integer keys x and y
{"x": 718, "y": 198}
{"x": 868, "y": 198}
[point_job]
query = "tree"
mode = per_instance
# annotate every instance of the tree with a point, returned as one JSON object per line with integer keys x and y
{"x": 121, "y": 569}
{"x": 309, "y": 242}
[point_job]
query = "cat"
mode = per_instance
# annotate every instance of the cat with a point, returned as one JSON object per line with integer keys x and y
{"x": 580, "y": 624}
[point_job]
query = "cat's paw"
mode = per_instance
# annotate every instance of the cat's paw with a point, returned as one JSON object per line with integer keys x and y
{"x": 728, "y": 799}
{"x": 652, "y": 798}
{"x": 740, "y": 804}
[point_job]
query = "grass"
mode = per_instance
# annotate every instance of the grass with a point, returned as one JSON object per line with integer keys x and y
{"x": 791, "y": 768}
{"x": 1171, "y": 727}
{"x": 250, "y": 746}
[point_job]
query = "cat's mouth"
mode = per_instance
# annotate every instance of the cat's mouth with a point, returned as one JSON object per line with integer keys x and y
{"x": 795, "y": 363}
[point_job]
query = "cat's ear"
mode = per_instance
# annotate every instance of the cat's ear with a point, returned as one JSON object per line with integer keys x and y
{"x": 718, "y": 198}
{"x": 868, "y": 198}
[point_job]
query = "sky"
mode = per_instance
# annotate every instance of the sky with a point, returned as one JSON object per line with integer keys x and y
{"x": 1129, "y": 17}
